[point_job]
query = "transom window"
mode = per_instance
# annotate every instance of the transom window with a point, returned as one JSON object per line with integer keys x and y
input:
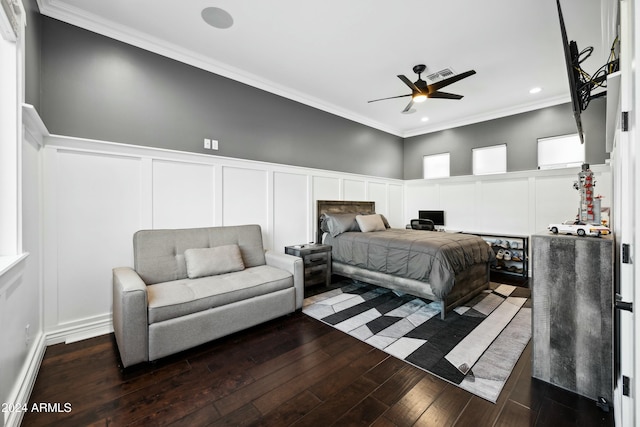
{"x": 490, "y": 160}
{"x": 436, "y": 166}
{"x": 563, "y": 151}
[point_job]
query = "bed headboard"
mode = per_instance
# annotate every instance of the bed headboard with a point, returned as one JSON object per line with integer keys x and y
{"x": 341, "y": 206}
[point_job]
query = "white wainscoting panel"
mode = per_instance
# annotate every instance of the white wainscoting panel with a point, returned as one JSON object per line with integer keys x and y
{"x": 326, "y": 188}
{"x": 378, "y": 193}
{"x": 98, "y": 212}
{"x": 420, "y": 197}
{"x": 461, "y": 204}
{"x": 244, "y": 198}
{"x": 505, "y": 202}
{"x": 183, "y": 195}
{"x": 395, "y": 212}
{"x": 21, "y": 282}
{"x": 98, "y": 194}
{"x": 355, "y": 189}
{"x": 291, "y": 210}
{"x": 520, "y": 203}
{"x": 556, "y": 200}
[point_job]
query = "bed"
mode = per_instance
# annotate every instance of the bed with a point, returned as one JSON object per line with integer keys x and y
{"x": 448, "y": 268}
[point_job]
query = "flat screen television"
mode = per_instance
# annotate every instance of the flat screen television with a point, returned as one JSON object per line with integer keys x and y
{"x": 436, "y": 216}
{"x": 572, "y": 63}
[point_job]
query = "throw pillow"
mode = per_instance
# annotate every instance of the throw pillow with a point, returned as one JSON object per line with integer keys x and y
{"x": 370, "y": 223}
{"x": 203, "y": 262}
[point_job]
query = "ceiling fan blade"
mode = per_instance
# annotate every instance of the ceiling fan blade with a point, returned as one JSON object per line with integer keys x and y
{"x": 391, "y": 97}
{"x": 408, "y": 107}
{"x": 444, "y": 95}
{"x": 446, "y": 82}
{"x": 409, "y": 83}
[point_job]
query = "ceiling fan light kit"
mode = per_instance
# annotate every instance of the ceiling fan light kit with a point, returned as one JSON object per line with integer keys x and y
{"x": 420, "y": 90}
{"x": 419, "y": 97}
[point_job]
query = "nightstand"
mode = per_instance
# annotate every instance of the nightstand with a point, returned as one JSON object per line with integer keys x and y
{"x": 317, "y": 262}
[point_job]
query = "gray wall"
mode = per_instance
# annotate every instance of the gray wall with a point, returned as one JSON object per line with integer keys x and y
{"x": 90, "y": 86}
{"x": 520, "y": 132}
{"x": 96, "y": 87}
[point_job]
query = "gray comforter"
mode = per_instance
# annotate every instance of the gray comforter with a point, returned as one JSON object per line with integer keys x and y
{"x": 433, "y": 257}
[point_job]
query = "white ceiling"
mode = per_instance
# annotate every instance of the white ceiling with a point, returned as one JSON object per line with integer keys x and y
{"x": 336, "y": 55}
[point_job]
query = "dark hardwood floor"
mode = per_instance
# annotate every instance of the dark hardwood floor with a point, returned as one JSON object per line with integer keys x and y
{"x": 290, "y": 371}
{"x": 509, "y": 279}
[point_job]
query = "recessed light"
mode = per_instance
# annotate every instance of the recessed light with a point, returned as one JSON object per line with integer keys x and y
{"x": 535, "y": 90}
{"x": 424, "y": 119}
{"x": 217, "y": 18}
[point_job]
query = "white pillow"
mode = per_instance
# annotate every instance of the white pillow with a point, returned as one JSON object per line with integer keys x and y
{"x": 369, "y": 223}
{"x": 203, "y": 262}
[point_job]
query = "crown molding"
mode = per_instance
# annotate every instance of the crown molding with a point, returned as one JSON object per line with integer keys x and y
{"x": 74, "y": 16}
{"x": 491, "y": 115}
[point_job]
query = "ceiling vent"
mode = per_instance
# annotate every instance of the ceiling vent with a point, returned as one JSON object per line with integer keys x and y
{"x": 440, "y": 75}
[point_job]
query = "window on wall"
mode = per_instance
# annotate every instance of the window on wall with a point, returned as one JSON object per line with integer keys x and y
{"x": 436, "y": 166}
{"x": 563, "y": 151}
{"x": 490, "y": 160}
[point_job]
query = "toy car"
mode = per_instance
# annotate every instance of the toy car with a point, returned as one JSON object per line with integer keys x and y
{"x": 578, "y": 227}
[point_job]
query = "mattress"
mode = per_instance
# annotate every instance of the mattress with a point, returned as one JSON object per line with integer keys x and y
{"x": 428, "y": 256}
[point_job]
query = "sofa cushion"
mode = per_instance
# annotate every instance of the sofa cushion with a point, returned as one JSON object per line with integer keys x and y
{"x": 177, "y": 298}
{"x": 202, "y": 262}
{"x": 158, "y": 255}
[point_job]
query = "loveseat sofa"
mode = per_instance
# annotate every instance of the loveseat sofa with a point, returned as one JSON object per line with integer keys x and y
{"x": 190, "y": 286}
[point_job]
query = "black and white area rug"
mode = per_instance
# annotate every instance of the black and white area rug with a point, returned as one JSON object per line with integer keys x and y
{"x": 475, "y": 347}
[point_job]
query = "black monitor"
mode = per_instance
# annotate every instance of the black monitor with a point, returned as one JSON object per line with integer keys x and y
{"x": 436, "y": 216}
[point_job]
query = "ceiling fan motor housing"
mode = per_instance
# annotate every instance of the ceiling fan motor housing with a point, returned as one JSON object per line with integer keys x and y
{"x": 418, "y": 69}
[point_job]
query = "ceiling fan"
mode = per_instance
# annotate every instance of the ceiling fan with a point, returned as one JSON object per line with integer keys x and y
{"x": 420, "y": 90}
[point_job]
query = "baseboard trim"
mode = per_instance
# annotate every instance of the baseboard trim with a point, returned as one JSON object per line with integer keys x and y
{"x": 22, "y": 391}
{"x": 88, "y": 328}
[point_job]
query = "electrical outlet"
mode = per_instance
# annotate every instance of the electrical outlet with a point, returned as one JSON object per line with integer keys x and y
{"x": 27, "y": 338}
{"x": 214, "y": 144}
{"x": 207, "y": 143}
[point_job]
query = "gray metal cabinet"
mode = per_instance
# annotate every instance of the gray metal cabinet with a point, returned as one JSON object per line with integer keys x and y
{"x": 573, "y": 327}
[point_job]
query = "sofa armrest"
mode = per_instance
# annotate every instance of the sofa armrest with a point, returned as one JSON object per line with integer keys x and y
{"x": 130, "y": 324}
{"x": 293, "y": 265}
